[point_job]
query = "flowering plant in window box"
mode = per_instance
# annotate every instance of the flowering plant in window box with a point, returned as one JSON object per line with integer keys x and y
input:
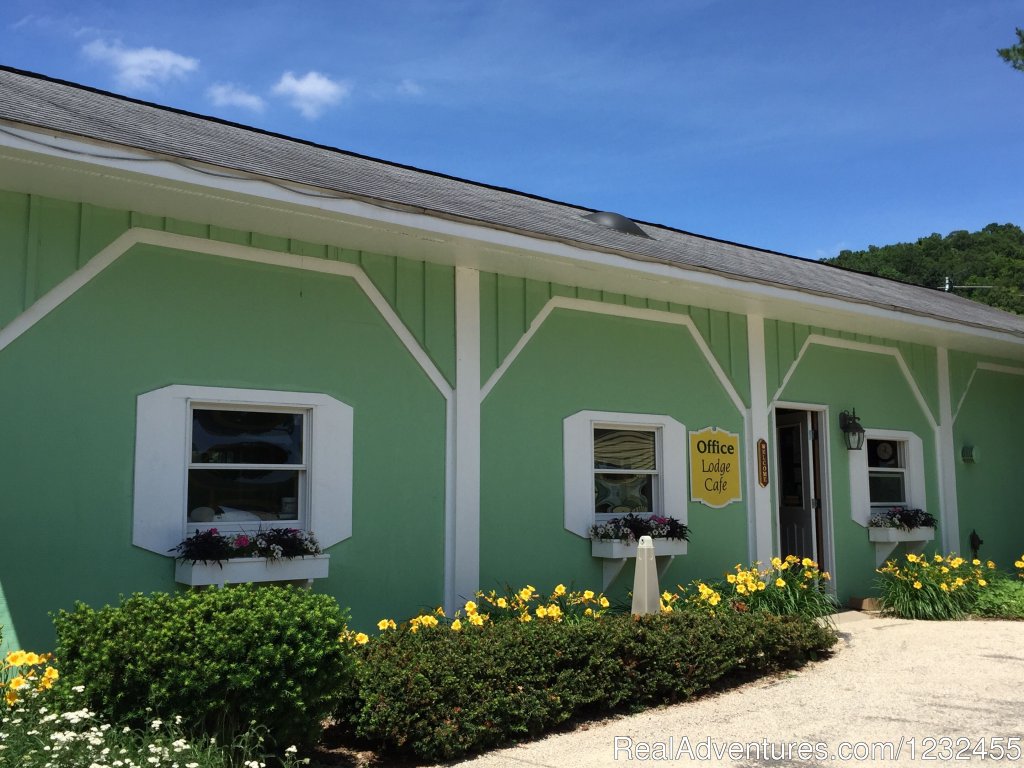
{"x": 273, "y": 554}
{"x": 631, "y": 527}
{"x": 270, "y": 543}
{"x": 903, "y": 518}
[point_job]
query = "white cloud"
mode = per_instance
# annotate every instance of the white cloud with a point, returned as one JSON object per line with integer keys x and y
{"x": 312, "y": 93}
{"x": 227, "y": 95}
{"x": 409, "y": 87}
{"x": 140, "y": 68}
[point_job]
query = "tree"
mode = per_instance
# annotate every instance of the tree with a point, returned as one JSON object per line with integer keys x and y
{"x": 1014, "y": 55}
{"x": 991, "y": 259}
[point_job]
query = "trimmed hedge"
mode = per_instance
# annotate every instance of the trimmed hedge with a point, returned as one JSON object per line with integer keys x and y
{"x": 441, "y": 694}
{"x": 221, "y": 659}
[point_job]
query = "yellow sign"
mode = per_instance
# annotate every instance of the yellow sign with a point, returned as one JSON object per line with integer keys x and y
{"x": 714, "y": 467}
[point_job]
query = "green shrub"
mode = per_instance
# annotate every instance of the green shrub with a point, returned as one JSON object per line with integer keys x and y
{"x": 221, "y": 659}
{"x": 440, "y": 694}
{"x": 932, "y": 587}
{"x": 1002, "y": 599}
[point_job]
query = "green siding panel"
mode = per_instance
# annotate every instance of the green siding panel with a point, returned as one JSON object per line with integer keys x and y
{"x": 54, "y": 243}
{"x": 409, "y": 295}
{"x": 509, "y": 305}
{"x": 989, "y": 492}
{"x": 14, "y": 219}
{"x": 439, "y": 317}
{"x": 44, "y": 241}
{"x": 100, "y": 227}
{"x": 511, "y": 313}
{"x": 189, "y": 228}
{"x": 784, "y": 341}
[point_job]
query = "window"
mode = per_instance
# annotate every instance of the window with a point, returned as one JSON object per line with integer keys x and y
{"x": 246, "y": 466}
{"x": 626, "y": 477}
{"x": 617, "y": 463}
{"x": 887, "y": 473}
{"x": 240, "y": 459}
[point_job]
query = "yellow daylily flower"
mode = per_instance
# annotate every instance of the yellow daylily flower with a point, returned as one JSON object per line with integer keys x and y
{"x": 456, "y": 625}
{"x": 362, "y": 638}
{"x": 560, "y": 590}
{"x": 780, "y": 583}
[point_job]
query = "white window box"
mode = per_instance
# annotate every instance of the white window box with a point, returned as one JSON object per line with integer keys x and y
{"x": 898, "y": 535}
{"x": 244, "y": 570}
{"x": 887, "y": 539}
{"x": 617, "y": 548}
{"x": 615, "y": 552}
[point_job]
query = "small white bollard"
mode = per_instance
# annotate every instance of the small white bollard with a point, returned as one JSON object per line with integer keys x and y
{"x": 646, "y": 593}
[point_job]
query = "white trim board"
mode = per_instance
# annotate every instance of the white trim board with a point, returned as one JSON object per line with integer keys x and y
{"x": 140, "y": 236}
{"x": 615, "y": 310}
{"x": 758, "y": 427}
{"x": 463, "y": 554}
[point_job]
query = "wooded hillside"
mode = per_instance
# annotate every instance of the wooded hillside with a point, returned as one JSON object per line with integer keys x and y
{"x": 992, "y": 257}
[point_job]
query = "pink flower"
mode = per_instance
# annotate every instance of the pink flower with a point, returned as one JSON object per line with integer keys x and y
{"x": 241, "y": 541}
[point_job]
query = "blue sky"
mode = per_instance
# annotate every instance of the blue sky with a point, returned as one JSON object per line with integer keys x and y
{"x": 804, "y": 126}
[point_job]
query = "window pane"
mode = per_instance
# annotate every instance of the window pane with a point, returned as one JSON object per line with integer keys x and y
{"x": 885, "y": 453}
{"x": 887, "y": 488}
{"x": 237, "y": 495}
{"x": 246, "y": 437}
{"x": 623, "y": 493}
{"x": 624, "y": 449}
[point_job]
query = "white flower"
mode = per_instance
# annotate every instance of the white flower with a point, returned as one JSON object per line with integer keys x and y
{"x": 291, "y": 750}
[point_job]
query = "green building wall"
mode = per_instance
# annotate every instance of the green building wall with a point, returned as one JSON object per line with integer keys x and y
{"x": 160, "y": 316}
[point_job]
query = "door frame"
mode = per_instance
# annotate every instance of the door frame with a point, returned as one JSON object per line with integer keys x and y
{"x": 824, "y": 463}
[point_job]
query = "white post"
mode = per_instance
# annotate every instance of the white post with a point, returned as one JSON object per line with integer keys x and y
{"x": 462, "y": 560}
{"x": 646, "y": 592}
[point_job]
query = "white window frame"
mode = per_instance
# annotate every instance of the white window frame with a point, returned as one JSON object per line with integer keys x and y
{"x": 302, "y": 500}
{"x": 163, "y": 454}
{"x": 578, "y": 450}
{"x": 860, "y": 493}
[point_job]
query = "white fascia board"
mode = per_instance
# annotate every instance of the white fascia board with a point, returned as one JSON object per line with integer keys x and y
{"x": 417, "y": 234}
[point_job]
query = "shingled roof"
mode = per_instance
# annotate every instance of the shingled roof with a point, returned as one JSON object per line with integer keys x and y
{"x": 35, "y": 101}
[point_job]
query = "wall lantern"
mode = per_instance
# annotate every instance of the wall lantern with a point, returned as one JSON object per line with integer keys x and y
{"x": 853, "y": 432}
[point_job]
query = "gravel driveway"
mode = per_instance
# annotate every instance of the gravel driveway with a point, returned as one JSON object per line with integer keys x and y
{"x": 937, "y": 686}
